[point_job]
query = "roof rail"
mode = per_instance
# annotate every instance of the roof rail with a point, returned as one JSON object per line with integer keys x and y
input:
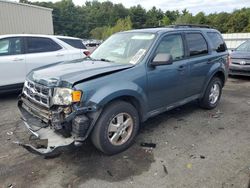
{"x": 189, "y": 26}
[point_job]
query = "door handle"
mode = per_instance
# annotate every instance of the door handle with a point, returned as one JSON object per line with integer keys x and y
{"x": 18, "y": 59}
{"x": 181, "y": 67}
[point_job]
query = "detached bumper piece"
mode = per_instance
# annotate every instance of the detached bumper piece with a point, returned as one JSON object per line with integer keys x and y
{"x": 45, "y": 141}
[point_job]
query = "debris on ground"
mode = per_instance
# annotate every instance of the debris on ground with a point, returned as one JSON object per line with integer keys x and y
{"x": 192, "y": 156}
{"x": 217, "y": 114}
{"x": 189, "y": 165}
{"x": 109, "y": 173}
{"x": 221, "y": 128}
{"x": 4, "y": 156}
{"x": 202, "y": 157}
{"x": 148, "y": 145}
{"x": 174, "y": 147}
{"x": 9, "y": 133}
{"x": 165, "y": 169}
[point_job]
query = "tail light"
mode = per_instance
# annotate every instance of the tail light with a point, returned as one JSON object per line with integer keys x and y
{"x": 229, "y": 60}
{"x": 87, "y": 53}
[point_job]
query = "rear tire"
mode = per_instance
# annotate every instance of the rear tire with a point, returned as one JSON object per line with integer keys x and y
{"x": 212, "y": 94}
{"x": 116, "y": 128}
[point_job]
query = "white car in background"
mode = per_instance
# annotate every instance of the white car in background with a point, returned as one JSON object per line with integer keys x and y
{"x": 21, "y": 53}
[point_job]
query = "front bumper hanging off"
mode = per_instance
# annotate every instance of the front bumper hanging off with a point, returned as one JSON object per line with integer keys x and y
{"x": 47, "y": 141}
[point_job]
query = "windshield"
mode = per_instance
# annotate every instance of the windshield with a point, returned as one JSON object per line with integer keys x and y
{"x": 245, "y": 47}
{"x": 124, "y": 48}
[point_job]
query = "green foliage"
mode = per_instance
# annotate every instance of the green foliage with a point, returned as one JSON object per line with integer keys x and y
{"x": 104, "y": 32}
{"x": 100, "y": 19}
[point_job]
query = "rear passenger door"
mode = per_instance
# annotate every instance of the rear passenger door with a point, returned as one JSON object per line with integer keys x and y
{"x": 41, "y": 51}
{"x": 198, "y": 61}
{"x": 12, "y": 61}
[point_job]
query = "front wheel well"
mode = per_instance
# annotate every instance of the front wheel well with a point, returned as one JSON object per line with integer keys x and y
{"x": 132, "y": 100}
{"x": 221, "y": 76}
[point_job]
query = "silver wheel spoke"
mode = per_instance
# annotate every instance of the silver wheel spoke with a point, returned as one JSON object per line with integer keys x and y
{"x": 113, "y": 127}
{"x": 128, "y": 122}
{"x": 115, "y": 137}
{"x": 120, "y": 119}
{"x": 124, "y": 134}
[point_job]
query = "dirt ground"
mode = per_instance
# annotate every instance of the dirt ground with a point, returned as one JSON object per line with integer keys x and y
{"x": 195, "y": 148}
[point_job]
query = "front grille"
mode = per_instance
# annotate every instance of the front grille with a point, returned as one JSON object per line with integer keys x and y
{"x": 37, "y": 93}
{"x": 241, "y": 61}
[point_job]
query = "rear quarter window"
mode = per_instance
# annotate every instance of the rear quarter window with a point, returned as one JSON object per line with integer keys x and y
{"x": 217, "y": 42}
{"x": 74, "y": 43}
{"x": 197, "y": 44}
{"x": 41, "y": 44}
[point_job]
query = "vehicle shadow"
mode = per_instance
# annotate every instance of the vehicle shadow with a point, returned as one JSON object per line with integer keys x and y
{"x": 85, "y": 162}
{"x": 239, "y": 78}
{"x": 9, "y": 95}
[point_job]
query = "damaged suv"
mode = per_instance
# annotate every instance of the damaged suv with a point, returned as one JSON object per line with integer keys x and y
{"x": 131, "y": 77}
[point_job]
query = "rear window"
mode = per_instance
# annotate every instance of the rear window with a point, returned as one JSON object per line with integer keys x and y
{"x": 74, "y": 43}
{"x": 41, "y": 44}
{"x": 197, "y": 44}
{"x": 217, "y": 42}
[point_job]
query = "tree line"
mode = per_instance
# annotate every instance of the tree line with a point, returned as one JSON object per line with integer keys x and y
{"x": 100, "y": 19}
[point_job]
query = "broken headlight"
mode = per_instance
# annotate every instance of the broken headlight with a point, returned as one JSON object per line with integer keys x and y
{"x": 65, "y": 96}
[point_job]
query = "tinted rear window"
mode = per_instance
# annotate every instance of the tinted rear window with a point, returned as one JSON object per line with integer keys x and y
{"x": 41, "y": 44}
{"x": 217, "y": 41}
{"x": 74, "y": 43}
{"x": 197, "y": 45}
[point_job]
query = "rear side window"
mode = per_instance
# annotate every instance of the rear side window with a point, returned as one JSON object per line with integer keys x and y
{"x": 40, "y": 44}
{"x": 197, "y": 44}
{"x": 10, "y": 46}
{"x": 74, "y": 43}
{"x": 217, "y": 42}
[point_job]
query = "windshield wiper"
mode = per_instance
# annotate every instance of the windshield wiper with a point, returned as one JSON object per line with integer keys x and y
{"x": 101, "y": 59}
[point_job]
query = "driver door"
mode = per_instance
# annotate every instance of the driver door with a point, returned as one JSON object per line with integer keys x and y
{"x": 167, "y": 84}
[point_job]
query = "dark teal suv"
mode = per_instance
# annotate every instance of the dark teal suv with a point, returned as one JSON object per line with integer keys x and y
{"x": 132, "y": 76}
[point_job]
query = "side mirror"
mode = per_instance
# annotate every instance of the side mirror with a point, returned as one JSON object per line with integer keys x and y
{"x": 162, "y": 59}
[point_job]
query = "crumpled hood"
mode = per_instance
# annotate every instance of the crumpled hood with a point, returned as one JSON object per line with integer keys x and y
{"x": 240, "y": 55}
{"x": 68, "y": 73}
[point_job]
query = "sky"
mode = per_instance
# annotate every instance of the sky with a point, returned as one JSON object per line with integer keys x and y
{"x": 194, "y": 6}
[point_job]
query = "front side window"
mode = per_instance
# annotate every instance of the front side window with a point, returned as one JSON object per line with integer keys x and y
{"x": 245, "y": 47}
{"x": 217, "y": 42}
{"x": 173, "y": 45}
{"x": 126, "y": 48}
{"x": 39, "y": 44}
{"x": 10, "y": 46}
{"x": 197, "y": 45}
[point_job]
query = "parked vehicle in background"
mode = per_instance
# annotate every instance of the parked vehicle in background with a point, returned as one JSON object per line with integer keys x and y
{"x": 19, "y": 54}
{"x": 240, "y": 60}
{"x": 132, "y": 76}
{"x": 92, "y": 42}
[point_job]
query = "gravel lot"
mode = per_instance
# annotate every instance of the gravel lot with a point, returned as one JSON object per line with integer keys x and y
{"x": 194, "y": 148}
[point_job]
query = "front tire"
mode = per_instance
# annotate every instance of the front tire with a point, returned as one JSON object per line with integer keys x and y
{"x": 116, "y": 128}
{"x": 212, "y": 94}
